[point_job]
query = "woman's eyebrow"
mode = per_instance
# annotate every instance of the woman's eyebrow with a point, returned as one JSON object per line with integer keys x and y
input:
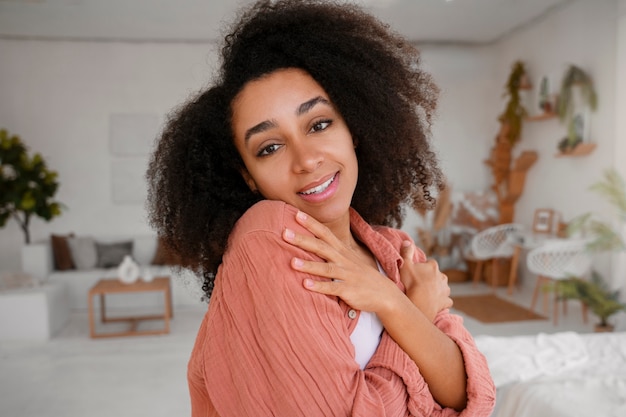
{"x": 261, "y": 127}
{"x": 302, "y": 108}
{"x": 309, "y": 104}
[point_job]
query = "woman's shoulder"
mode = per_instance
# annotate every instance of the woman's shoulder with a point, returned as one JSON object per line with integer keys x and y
{"x": 265, "y": 216}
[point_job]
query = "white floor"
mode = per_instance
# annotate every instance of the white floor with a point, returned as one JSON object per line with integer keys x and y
{"x": 73, "y": 375}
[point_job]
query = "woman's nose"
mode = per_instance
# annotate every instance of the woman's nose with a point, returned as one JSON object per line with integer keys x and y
{"x": 306, "y": 156}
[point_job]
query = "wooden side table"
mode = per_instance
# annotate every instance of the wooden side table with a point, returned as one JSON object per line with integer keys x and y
{"x": 115, "y": 286}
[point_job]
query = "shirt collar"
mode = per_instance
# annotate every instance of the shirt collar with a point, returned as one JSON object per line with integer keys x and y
{"x": 383, "y": 250}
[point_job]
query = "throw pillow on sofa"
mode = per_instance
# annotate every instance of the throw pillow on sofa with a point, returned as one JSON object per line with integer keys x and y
{"x": 112, "y": 254}
{"x": 61, "y": 252}
{"x": 83, "y": 251}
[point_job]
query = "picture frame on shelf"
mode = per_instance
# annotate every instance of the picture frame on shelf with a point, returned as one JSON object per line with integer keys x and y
{"x": 543, "y": 220}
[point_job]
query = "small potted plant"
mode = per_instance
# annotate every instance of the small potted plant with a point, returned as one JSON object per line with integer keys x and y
{"x": 595, "y": 294}
{"x": 27, "y": 186}
{"x": 577, "y": 91}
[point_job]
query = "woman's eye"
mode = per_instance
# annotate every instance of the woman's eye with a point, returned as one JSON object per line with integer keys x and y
{"x": 320, "y": 125}
{"x": 268, "y": 150}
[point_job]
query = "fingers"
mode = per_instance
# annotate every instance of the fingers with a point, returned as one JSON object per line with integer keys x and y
{"x": 318, "y": 229}
{"x": 407, "y": 251}
{"x": 322, "y": 287}
{"x": 323, "y": 243}
{"x": 308, "y": 243}
{"x": 321, "y": 269}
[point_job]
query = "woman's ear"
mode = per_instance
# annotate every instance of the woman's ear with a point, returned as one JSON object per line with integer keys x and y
{"x": 248, "y": 179}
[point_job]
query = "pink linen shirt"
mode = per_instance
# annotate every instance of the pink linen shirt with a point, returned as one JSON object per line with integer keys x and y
{"x": 269, "y": 347}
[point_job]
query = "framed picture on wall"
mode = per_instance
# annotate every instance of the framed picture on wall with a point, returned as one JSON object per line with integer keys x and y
{"x": 543, "y": 221}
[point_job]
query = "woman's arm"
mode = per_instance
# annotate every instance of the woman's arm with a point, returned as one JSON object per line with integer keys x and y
{"x": 438, "y": 357}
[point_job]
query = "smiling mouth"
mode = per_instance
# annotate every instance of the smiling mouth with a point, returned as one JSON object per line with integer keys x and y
{"x": 320, "y": 188}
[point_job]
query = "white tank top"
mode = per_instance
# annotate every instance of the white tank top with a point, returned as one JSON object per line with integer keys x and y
{"x": 366, "y": 335}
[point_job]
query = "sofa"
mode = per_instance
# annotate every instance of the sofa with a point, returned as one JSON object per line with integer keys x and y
{"x": 78, "y": 262}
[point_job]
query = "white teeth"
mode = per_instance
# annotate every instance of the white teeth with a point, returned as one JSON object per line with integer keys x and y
{"x": 320, "y": 187}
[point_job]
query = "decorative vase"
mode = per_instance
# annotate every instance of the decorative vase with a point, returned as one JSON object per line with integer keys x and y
{"x": 146, "y": 275}
{"x": 128, "y": 271}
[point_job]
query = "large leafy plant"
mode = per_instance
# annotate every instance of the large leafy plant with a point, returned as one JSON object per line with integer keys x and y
{"x": 27, "y": 186}
{"x": 603, "y": 236}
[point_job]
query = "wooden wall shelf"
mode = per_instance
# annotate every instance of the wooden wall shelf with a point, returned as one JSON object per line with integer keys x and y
{"x": 580, "y": 150}
{"x": 539, "y": 117}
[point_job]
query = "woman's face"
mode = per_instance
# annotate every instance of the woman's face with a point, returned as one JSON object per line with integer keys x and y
{"x": 295, "y": 145}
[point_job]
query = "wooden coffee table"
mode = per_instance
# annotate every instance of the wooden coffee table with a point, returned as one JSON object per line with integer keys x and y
{"x": 115, "y": 286}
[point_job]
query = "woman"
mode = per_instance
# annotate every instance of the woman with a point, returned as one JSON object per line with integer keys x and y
{"x": 268, "y": 184}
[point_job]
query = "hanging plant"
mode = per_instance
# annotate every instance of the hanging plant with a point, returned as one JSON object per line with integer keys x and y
{"x": 27, "y": 186}
{"x": 574, "y": 78}
{"x": 514, "y": 111}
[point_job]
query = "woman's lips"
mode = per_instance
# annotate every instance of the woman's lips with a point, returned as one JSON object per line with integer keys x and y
{"x": 321, "y": 192}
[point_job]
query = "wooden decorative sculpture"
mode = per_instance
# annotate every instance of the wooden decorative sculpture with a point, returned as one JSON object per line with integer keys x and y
{"x": 509, "y": 175}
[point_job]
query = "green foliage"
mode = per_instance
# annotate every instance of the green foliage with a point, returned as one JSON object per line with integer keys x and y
{"x": 574, "y": 76}
{"x": 514, "y": 112}
{"x": 594, "y": 293}
{"x": 27, "y": 186}
{"x": 604, "y": 237}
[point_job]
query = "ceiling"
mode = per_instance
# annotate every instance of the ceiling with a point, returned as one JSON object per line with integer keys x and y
{"x": 424, "y": 21}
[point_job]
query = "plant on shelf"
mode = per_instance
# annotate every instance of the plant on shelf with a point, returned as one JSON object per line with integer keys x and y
{"x": 27, "y": 186}
{"x": 576, "y": 90}
{"x": 595, "y": 293}
{"x": 514, "y": 112}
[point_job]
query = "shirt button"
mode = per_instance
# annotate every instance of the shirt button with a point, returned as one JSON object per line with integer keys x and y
{"x": 352, "y": 314}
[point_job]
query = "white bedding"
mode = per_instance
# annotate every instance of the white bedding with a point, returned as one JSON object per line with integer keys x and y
{"x": 562, "y": 374}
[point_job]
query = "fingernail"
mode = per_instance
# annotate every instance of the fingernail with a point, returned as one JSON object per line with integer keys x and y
{"x": 297, "y": 262}
{"x": 308, "y": 283}
{"x": 301, "y": 215}
{"x": 406, "y": 243}
{"x": 289, "y": 234}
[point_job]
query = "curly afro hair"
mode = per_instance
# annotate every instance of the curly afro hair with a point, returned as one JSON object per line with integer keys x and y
{"x": 372, "y": 75}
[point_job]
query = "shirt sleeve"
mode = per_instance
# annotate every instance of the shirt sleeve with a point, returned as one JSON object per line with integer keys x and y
{"x": 481, "y": 391}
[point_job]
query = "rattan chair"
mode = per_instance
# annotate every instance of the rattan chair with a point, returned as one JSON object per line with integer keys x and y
{"x": 495, "y": 243}
{"x": 554, "y": 260}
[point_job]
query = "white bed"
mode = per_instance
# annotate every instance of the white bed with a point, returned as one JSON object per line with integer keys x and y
{"x": 563, "y": 374}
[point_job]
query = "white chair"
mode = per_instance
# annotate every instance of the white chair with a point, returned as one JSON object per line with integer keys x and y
{"x": 495, "y": 243}
{"x": 558, "y": 259}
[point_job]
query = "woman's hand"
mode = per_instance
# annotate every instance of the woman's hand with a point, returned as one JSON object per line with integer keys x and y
{"x": 425, "y": 285}
{"x": 352, "y": 278}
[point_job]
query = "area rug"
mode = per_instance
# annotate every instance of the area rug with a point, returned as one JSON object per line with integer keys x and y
{"x": 488, "y": 308}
